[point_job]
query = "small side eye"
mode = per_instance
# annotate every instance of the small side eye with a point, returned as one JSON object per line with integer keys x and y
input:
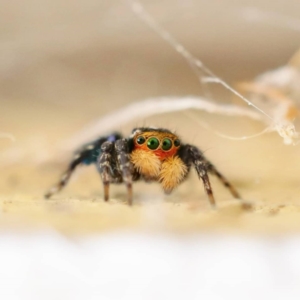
{"x": 177, "y": 143}
{"x": 140, "y": 140}
{"x": 153, "y": 143}
{"x": 166, "y": 144}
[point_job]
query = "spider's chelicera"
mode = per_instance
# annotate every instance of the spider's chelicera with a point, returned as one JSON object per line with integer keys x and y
{"x": 149, "y": 154}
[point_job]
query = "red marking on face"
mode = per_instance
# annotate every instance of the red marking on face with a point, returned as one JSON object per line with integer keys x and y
{"x": 165, "y": 154}
{"x": 161, "y": 154}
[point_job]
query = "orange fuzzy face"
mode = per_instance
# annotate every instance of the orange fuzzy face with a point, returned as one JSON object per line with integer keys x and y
{"x": 151, "y": 150}
{"x": 162, "y": 144}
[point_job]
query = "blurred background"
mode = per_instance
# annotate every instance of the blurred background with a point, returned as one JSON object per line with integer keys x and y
{"x": 64, "y": 64}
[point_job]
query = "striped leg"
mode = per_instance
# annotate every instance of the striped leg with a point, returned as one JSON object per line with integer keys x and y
{"x": 202, "y": 173}
{"x": 212, "y": 169}
{"x": 104, "y": 166}
{"x": 65, "y": 177}
{"x": 123, "y": 158}
{"x": 199, "y": 162}
{"x": 88, "y": 154}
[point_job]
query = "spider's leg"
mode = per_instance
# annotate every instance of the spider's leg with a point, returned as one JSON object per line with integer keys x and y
{"x": 104, "y": 166}
{"x": 212, "y": 169}
{"x": 87, "y": 154}
{"x": 192, "y": 155}
{"x": 79, "y": 157}
{"x": 123, "y": 158}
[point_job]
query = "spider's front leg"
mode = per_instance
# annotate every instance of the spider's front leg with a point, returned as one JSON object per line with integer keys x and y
{"x": 192, "y": 155}
{"x": 212, "y": 169}
{"x": 126, "y": 168}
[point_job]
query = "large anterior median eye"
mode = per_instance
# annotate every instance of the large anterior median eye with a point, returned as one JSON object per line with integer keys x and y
{"x": 153, "y": 143}
{"x": 166, "y": 144}
{"x": 140, "y": 140}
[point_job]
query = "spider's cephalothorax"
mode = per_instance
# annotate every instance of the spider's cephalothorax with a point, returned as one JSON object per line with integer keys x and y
{"x": 150, "y": 154}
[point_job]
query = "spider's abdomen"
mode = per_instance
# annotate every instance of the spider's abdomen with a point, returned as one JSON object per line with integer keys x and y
{"x": 90, "y": 152}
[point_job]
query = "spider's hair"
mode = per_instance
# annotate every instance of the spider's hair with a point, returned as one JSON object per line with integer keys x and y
{"x": 145, "y": 129}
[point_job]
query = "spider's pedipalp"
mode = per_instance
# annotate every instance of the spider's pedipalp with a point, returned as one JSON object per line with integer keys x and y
{"x": 123, "y": 158}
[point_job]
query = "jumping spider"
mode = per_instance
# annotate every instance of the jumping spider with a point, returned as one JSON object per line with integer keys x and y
{"x": 150, "y": 154}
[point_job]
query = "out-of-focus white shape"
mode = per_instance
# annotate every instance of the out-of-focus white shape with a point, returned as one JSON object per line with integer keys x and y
{"x": 277, "y": 92}
{"x": 4, "y": 135}
{"x": 35, "y": 150}
{"x": 154, "y": 106}
{"x": 288, "y": 132}
{"x": 285, "y": 81}
{"x": 286, "y": 78}
{"x": 285, "y": 128}
{"x": 253, "y": 14}
{"x": 196, "y": 64}
{"x": 139, "y": 266}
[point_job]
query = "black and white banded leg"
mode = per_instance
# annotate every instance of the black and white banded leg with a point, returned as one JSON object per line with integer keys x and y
{"x": 192, "y": 155}
{"x": 126, "y": 168}
{"x": 115, "y": 173}
{"x": 104, "y": 167}
{"x": 78, "y": 158}
{"x": 212, "y": 169}
{"x": 88, "y": 154}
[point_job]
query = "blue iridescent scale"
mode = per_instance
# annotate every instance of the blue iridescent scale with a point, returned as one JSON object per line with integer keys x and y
{"x": 90, "y": 156}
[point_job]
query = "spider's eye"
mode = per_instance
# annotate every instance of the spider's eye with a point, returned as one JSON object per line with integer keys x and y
{"x": 166, "y": 144}
{"x": 153, "y": 143}
{"x": 140, "y": 140}
{"x": 177, "y": 143}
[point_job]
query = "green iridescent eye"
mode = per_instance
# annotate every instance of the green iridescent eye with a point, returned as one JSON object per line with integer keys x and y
{"x": 140, "y": 140}
{"x": 177, "y": 143}
{"x": 153, "y": 143}
{"x": 166, "y": 144}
